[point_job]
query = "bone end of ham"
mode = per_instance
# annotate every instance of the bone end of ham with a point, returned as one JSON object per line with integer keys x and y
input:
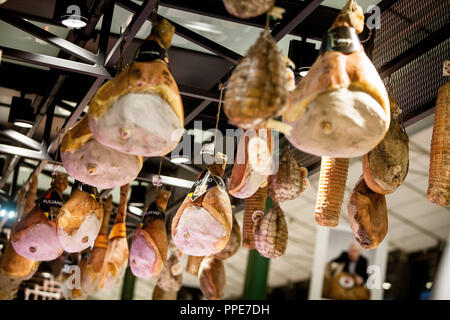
{"x": 93, "y": 163}
{"x": 39, "y": 242}
{"x": 341, "y": 123}
{"x": 198, "y": 232}
{"x": 82, "y": 238}
{"x": 142, "y": 257}
{"x": 124, "y": 128}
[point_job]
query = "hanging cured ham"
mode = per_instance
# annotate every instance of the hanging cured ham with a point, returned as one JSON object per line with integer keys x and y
{"x": 385, "y": 167}
{"x": 92, "y": 262}
{"x": 290, "y": 180}
{"x": 80, "y": 218}
{"x": 13, "y": 267}
{"x": 116, "y": 256}
{"x": 202, "y": 224}
{"x": 170, "y": 279}
{"x": 246, "y": 9}
{"x": 234, "y": 243}
{"x": 439, "y": 177}
{"x": 140, "y": 111}
{"x": 35, "y": 236}
{"x": 367, "y": 214}
{"x": 333, "y": 177}
{"x": 253, "y": 163}
{"x": 256, "y": 203}
{"x": 95, "y": 164}
{"x": 212, "y": 278}
{"x": 11, "y": 263}
{"x": 341, "y": 108}
{"x": 271, "y": 233}
{"x": 258, "y": 88}
{"x": 148, "y": 251}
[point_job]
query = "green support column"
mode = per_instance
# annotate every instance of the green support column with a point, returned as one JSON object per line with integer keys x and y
{"x": 255, "y": 287}
{"x": 128, "y": 285}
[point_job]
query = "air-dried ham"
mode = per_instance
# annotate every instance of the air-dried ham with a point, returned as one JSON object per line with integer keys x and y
{"x": 341, "y": 108}
{"x": 116, "y": 257}
{"x": 367, "y": 214}
{"x": 148, "y": 252}
{"x": 92, "y": 262}
{"x": 13, "y": 267}
{"x": 386, "y": 166}
{"x": 35, "y": 236}
{"x": 79, "y": 219}
{"x": 140, "y": 111}
{"x": 253, "y": 163}
{"x": 93, "y": 163}
{"x": 202, "y": 226}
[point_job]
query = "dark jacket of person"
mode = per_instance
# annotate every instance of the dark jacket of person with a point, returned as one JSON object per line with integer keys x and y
{"x": 361, "y": 265}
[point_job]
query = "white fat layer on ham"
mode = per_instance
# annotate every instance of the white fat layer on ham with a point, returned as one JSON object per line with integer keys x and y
{"x": 151, "y": 126}
{"x": 112, "y": 168}
{"x": 40, "y": 243}
{"x": 142, "y": 258}
{"x": 83, "y": 238}
{"x": 341, "y": 124}
{"x": 197, "y": 232}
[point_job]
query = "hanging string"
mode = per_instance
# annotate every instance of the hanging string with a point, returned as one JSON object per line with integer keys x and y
{"x": 155, "y": 14}
{"x": 369, "y": 36}
{"x": 218, "y": 112}
{"x": 56, "y": 166}
{"x": 159, "y": 175}
{"x": 121, "y": 60}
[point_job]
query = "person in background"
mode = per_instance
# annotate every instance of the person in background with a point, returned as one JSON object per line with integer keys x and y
{"x": 354, "y": 263}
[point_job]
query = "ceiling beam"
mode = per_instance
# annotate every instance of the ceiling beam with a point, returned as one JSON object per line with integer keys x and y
{"x": 141, "y": 15}
{"x": 48, "y": 37}
{"x": 189, "y": 35}
{"x": 54, "y": 62}
{"x": 286, "y": 27}
{"x": 78, "y": 38}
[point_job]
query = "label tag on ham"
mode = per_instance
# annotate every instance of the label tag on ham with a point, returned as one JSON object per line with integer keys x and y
{"x": 152, "y": 213}
{"x": 49, "y": 203}
{"x": 204, "y": 182}
{"x": 342, "y": 39}
{"x": 151, "y": 51}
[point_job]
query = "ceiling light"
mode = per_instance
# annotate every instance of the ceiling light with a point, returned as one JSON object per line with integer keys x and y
{"x": 2, "y": 212}
{"x": 21, "y": 113}
{"x": 202, "y": 26}
{"x": 71, "y": 13}
{"x": 386, "y": 286}
{"x": 429, "y": 285}
{"x": 180, "y": 159}
{"x": 74, "y": 21}
{"x": 303, "y": 71}
{"x": 135, "y": 210}
{"x": 11, "y": 214}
